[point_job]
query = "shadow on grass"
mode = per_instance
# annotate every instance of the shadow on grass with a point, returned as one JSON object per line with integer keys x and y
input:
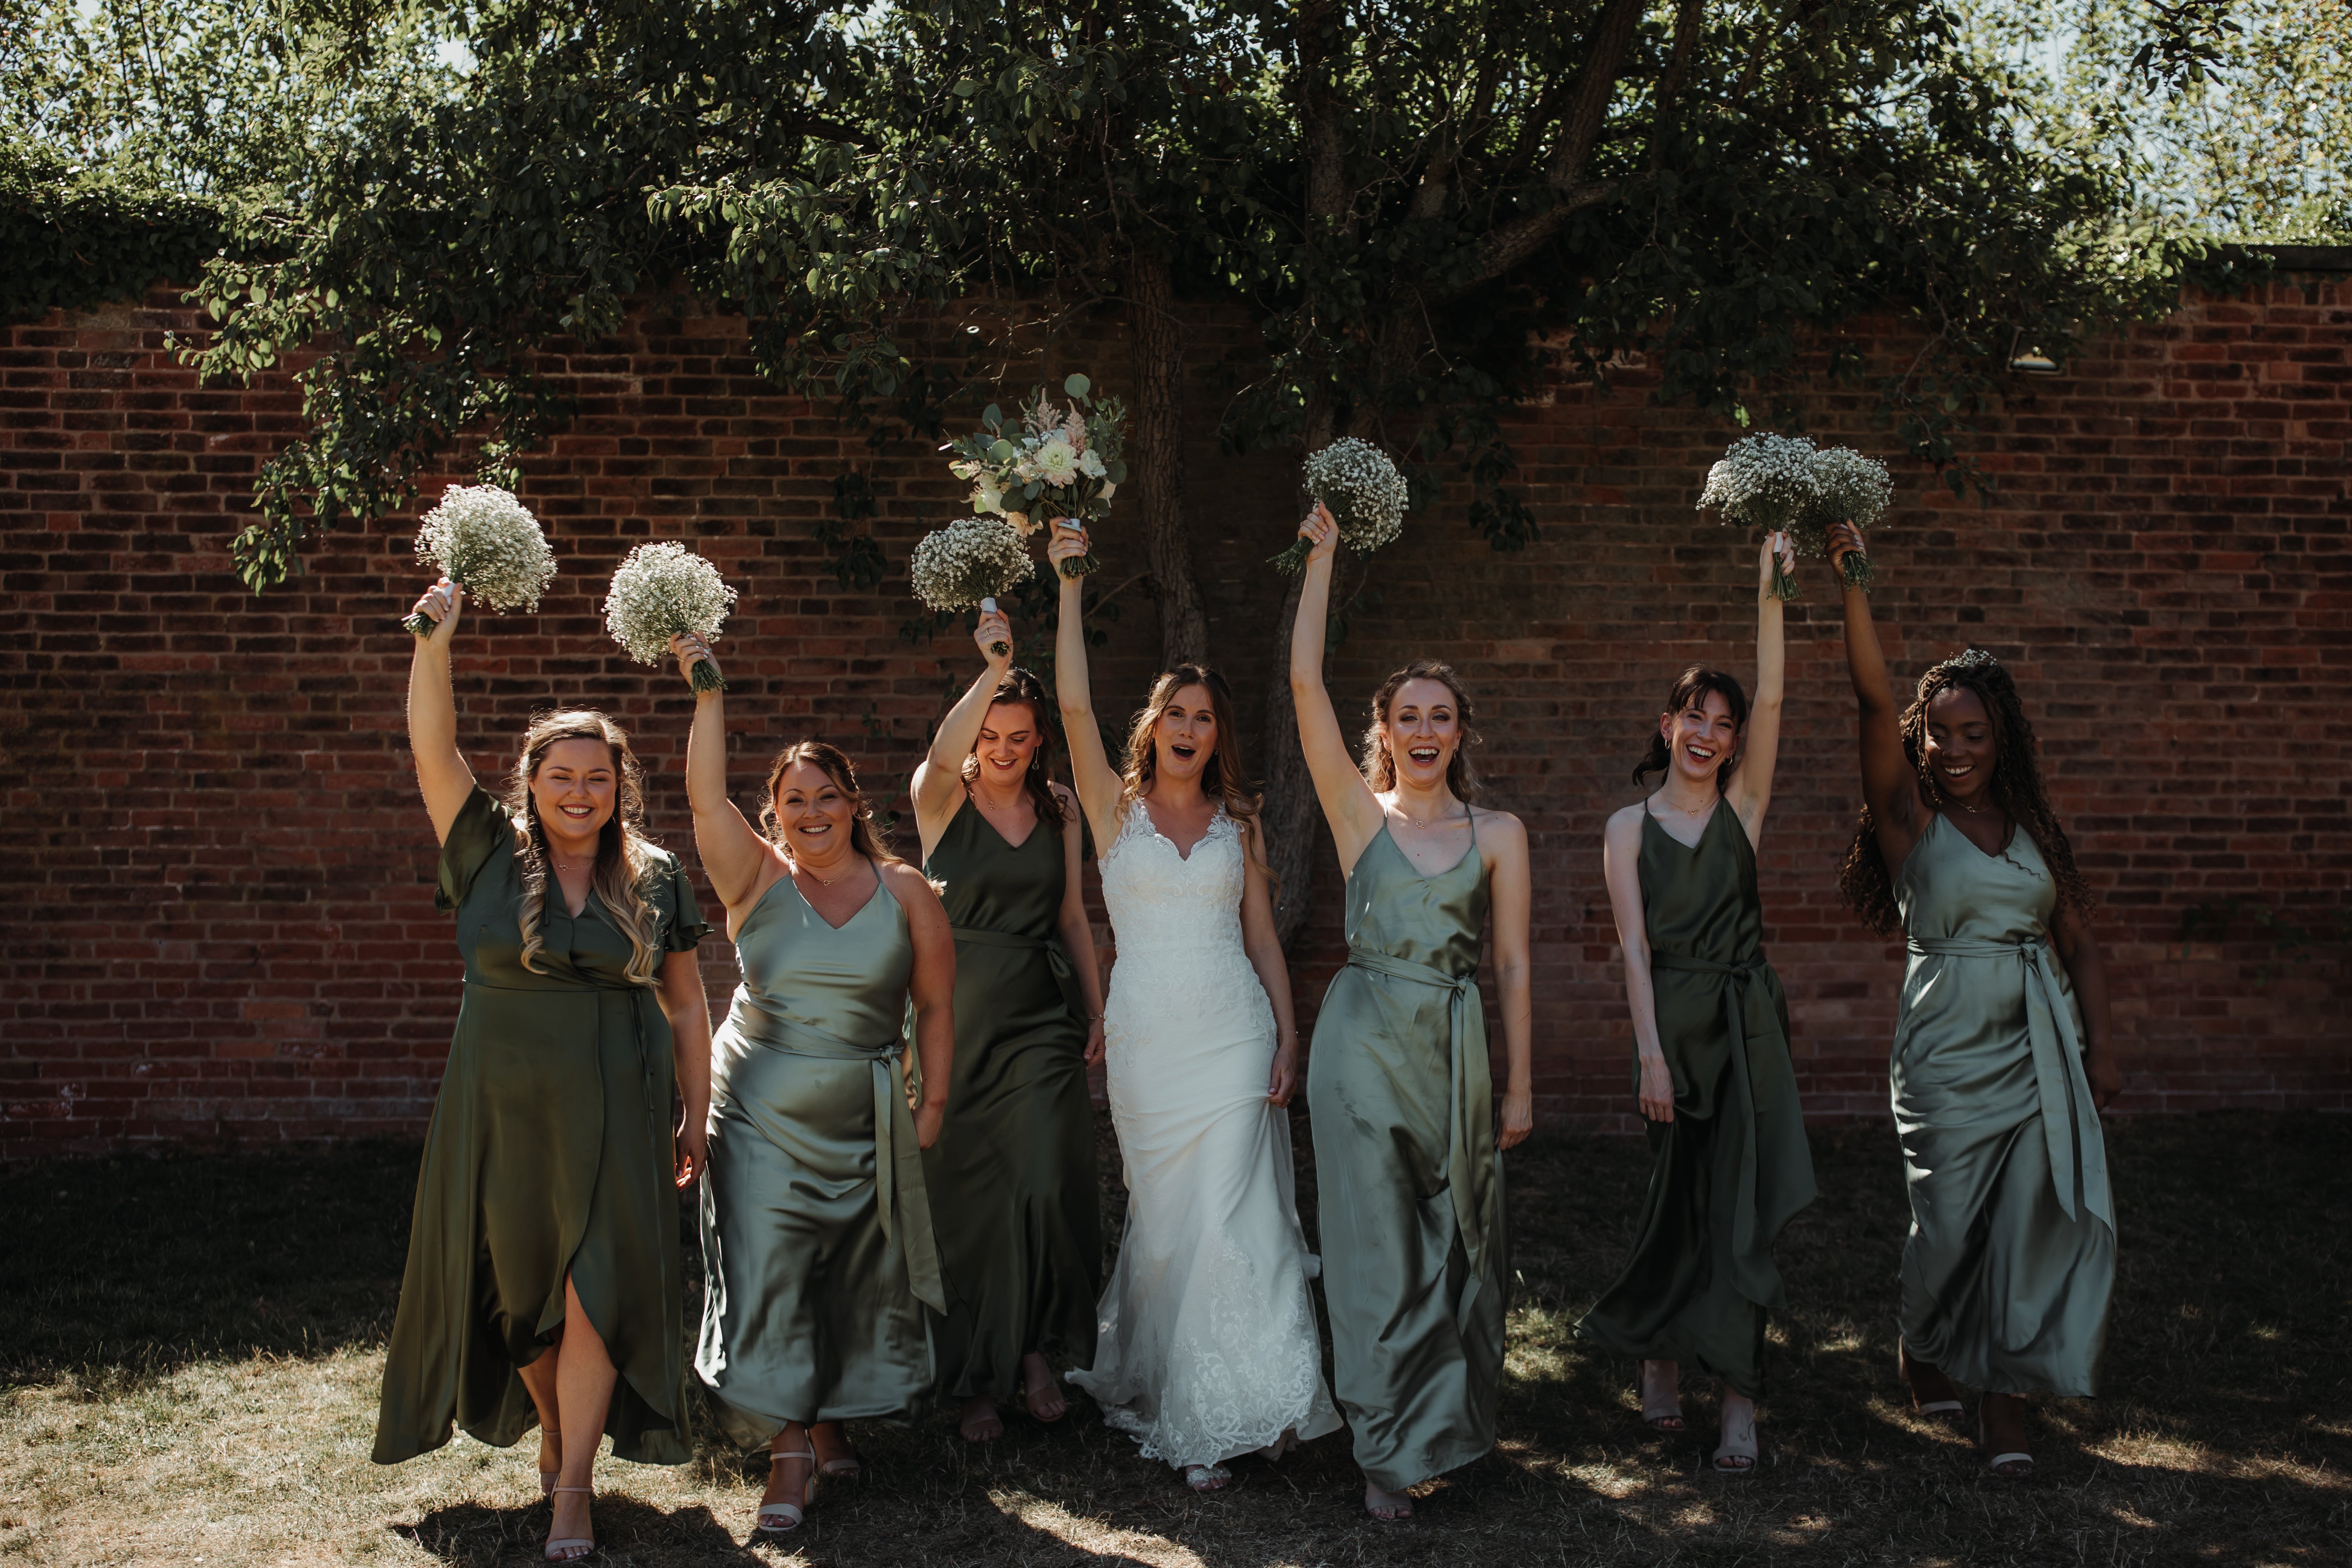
{"x": 474, "y": 1536}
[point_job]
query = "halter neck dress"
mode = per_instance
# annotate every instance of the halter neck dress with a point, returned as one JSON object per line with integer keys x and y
{"x": 1732, "y": 1167}
{"x": 2010, "y": 1262}
{"x": 1400, "y": 1096}
{"x": 549, "y": 1155}
{"x": 816, "y": 1237}
{"x": 1012, "y": 1178}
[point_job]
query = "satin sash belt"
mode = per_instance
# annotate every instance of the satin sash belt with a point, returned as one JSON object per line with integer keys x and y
{"x": 1470, "y": 1110}
{"x": 640, "y": 998}
{"x": 902, "y": 1200}
{"x": 2070, "y": 1120}
{"x": 1066, "y": 974}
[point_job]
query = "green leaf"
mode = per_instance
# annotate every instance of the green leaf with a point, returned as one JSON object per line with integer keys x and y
{"x": 1078, "y": 386}
{"x": 992, "y": 417}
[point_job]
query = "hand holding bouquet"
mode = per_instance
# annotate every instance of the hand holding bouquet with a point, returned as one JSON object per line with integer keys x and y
{"x": 967, "y": 563}
{"x": 1050, "y": 464}
{"x": 1784, "y": 484}
{"x": 1361, "y": 489}
{"x": 661, "y": 591}
{"x": 487, "y": 542}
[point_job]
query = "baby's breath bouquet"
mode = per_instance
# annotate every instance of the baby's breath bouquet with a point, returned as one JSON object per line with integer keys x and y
{"x": 1047, "y": 463}
{"x": 663, "y": 590}
{"x": 1363, "y": 491}
{"x": 1767, "y": 483}
{"x": 487, "y": 542}
{"x": 1854, "y": 489}
{"x": 967, "y": 563}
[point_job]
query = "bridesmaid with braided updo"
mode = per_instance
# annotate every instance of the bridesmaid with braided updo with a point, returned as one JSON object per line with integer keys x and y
{"x": 2002, "y": 1059}
{"x": 543, "y": 1278}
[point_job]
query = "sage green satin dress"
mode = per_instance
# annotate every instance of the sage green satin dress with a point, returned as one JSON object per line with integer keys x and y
{"x": 549, "y": 1153}
{"x": 2010, "y": 1262}
{"x": 1409, "y": 1184}
{"x": 1732, "y": 1167}
{"x": 816, "y": 1237}
{"x": 1012, "y": 1178}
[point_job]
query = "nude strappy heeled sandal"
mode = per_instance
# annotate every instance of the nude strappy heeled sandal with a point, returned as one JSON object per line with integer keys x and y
{"x": 777, "y": 1518}
{"x": 569, "y": 1548}
{"x": 1663, "y": 1415}
{"x": 547, "y": 1477}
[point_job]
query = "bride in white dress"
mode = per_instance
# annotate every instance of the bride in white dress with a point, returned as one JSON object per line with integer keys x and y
{"x": 1206, "y": 1347}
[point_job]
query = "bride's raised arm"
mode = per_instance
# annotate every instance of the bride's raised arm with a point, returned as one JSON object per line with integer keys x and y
{"x": 1097, "y": 782}
{"x": 1349, "y": 804}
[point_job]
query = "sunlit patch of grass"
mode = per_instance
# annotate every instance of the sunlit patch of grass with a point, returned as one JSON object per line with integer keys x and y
{"x": 199, "y": 1381}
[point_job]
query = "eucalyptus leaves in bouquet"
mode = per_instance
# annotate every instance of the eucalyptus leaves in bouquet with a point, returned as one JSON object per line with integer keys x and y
{"x": 1362, "y": 491}
{"x": 1050, "y": 462}
{"x": 485, "y": 540}
{"x": 967, "y": 563}
{"x": 661, "y": 591}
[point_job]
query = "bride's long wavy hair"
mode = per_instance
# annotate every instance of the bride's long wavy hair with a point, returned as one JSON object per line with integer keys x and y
{"x": 1224, "y": 776}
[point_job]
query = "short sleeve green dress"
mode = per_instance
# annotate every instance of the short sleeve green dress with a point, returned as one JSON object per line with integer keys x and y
{"x": 1732, "y": 1167}
{"x": 817, "y": 1253}
{"x": 1012, "y": 1177}
{"x": 549, "y": 1153}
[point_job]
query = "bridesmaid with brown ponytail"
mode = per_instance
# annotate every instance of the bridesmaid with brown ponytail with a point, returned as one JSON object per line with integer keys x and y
{"x": 1711, "y": 1035}
{"x": 2002, "y": 1059}
{"x": 543, "y": 1280}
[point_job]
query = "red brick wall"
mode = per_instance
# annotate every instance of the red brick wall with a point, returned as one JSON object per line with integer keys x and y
{"x": 216, "y": 882}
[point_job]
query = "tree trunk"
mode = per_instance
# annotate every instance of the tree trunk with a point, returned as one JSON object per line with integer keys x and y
{"x": 1159, "y": 339}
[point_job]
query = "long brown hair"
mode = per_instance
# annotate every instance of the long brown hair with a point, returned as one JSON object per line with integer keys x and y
{"x": 1379, "y": 764}
{"x": 865, "y": 838}
{"x": 1020, "y": 686}
{"x": 1692, "y": 686}
{"x": 1224, "y": 776}
{"x": 624, "y": 855}
{"x": 2016, "y": 787}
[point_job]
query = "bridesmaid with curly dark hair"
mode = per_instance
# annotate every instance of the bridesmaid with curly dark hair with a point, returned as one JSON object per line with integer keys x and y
{"x": 2003, "y": 1055}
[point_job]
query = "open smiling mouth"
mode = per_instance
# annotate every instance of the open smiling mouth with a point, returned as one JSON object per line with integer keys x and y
{"x": 577, "y": 812}
{"x": 1955, "y": 770}
{"x": 1424, "y": 755}
{"x": 1700, "y": 753}
{"x": 1181, "y": 753}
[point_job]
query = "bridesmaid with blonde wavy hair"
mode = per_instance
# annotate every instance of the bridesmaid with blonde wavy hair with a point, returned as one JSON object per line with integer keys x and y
{"x": 543, "y": 1280}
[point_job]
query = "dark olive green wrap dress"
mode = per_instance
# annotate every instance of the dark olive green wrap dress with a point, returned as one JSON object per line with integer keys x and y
{"x": 1732, "y": 1166}
{"x": 1409, "y": 1184}
{"x": 549, "y": 1153}
{"x": 816, "y": 1235}
{"x": 1012, "y": 1177}
{"x": 2010, "y": 1262}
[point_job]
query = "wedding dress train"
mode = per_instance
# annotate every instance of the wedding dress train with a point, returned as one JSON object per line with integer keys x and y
{"x": 1206, "y": 1345}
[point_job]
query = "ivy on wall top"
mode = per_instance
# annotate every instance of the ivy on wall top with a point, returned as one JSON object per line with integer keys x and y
{"x": 71, "y": 238}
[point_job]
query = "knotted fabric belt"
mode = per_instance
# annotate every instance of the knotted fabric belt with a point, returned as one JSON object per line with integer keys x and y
{"x": 1066, "y": 974}
{"x": 2070, "y": 1119}
{"x": 1470, "y": 1109}
{"x": 900, "y": 1197}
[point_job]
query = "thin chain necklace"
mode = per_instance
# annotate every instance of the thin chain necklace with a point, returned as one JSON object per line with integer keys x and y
{"x": 1684, "y": 810}
{"x": 1444, "y": 816}
{"x": 822, "y": 881}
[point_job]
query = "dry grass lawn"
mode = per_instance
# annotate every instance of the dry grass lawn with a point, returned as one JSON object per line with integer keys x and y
{"x": 189, "y": 1350}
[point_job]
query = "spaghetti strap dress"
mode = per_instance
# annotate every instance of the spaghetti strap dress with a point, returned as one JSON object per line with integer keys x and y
{"x": 1401, "y": 1100}
{"x": 2010, "y": 1262}
{"x": 1012, "y": 1177}
{"x": 817, "y": 1252}
{"x": 1732, "y": 1167}
{"x": 549, "y": 1154}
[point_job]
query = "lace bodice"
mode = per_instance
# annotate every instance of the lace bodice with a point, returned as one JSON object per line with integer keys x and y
{"x": 1162, "y": 902}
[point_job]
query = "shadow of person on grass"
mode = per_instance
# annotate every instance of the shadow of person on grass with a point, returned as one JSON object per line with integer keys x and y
{"x": 473, "y": 1535}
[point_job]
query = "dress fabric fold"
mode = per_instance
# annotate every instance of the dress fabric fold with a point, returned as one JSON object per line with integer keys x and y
{"x": 818, "y": 1249}
{"x": 2009, "y": 1266}
{"x": 1732, "y": 1168}
{"x": 1012, "y": 1176}
{"x": 1415, "y": 1247}
{"x": 549, "y": 1153}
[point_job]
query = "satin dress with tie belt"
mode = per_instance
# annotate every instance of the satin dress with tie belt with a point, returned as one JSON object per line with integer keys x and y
{"x": 2011, "y": 1261}
{"x": 1401, "y": 1097}
{"x": 1732, "y": 1167}
{"x": 1014, "y": 1183}
{"x": 549, "y": 1155}
{"x": 817, "y": 1252}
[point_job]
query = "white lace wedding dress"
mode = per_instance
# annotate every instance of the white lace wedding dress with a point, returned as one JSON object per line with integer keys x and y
{"x": 1207, "y": 1346}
